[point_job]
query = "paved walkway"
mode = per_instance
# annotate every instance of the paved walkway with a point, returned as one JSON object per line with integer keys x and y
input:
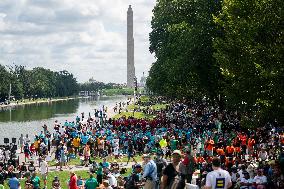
{"x": 73, "y": 167}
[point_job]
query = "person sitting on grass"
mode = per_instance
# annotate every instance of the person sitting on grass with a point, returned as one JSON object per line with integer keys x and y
{"x": 56, "y": 183}
{"x": 80, "y": 183}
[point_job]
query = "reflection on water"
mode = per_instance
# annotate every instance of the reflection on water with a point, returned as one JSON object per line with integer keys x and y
{"x": 29, "y": 119}
{"x": 40, "y": 111}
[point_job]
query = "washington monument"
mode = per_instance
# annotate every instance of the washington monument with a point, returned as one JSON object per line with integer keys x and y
{"x": 130, "y": 49}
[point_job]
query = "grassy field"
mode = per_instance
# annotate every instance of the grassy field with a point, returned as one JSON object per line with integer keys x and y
{"x": 63, "y": 177}
{"x": 121, "y": 91}
{"x": 145, "y": 99}
{"x": 98, "y": 160}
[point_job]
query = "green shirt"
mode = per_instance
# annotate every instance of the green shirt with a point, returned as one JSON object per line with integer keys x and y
{"x": 99, "y": 171}
{"x": 36, "y": 181}
{"x": 1, "y": 186}
{"x": 91, "y": 183}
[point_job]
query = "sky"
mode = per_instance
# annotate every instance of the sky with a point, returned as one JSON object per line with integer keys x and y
{"x": 84, "y": 37}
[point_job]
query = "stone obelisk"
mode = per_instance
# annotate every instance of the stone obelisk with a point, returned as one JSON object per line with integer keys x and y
{"x": 130, "y": 49}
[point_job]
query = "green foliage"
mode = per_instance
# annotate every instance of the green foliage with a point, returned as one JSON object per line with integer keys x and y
{"x": 229, "y": 51}
{"x": 36, "y": 83}
{"x": 182, "y": 38}
{"x": 144, "y": 99}
{"x": 4, "y": 83}
{"x": 251, "y": 56}
{"x": 118, "y": 91}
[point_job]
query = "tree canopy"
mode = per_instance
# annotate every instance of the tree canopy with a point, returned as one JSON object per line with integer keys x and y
{"x": 229, "y": 51}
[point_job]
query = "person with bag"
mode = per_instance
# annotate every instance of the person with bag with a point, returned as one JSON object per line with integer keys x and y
{"x": 171, "y": 175}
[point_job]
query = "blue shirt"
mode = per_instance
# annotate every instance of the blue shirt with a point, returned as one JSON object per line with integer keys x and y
{"x": 14, "y": 183}
{"x": 85, "y": 139}
{"x": 150, "y": 170}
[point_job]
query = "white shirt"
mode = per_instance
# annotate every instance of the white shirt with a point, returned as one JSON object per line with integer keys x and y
{"x": 43, "y": 167}
{"x": 27, "y": 140}
{"x": 260, "y": 179}
{"x": 243, "y": 180}
{"x": 112, "y": 180}
{"x": 263, "y": 155}
{"x": 218, "y": 179}
{"x": 241, "y": 174}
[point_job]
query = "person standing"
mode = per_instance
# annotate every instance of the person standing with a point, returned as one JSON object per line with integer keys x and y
{"x": 14, "y": 182}
{"x": 73, "y": 181}
{"x": 91, "y": 183}
{"x": 218, "y": 178}
{"x": 27, "y": 140}
{"x": 21, "y": 142}
{"x": 171, "y": 174}
{"x": 36, "y": 181}
{"x": 150, "y": 172}
{"x": 44, "y": 171}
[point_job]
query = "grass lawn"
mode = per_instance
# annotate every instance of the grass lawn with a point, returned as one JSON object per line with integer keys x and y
{"x": 98, "y": 160}
{"x": 145, "y": 99}
{"x": 131, "y": 107}
{"x": 159, "y": 106}
{"x": 63, "y": 177}
{"x": 119, "y": 91}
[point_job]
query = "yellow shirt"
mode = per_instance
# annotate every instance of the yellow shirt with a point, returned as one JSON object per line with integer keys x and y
{"x": 76, "y": 142}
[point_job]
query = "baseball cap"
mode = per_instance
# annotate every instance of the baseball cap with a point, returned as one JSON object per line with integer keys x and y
{"x": 177, "y": 152}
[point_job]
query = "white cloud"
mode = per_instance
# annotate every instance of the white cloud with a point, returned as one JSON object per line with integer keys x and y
{"x": 86, "y": 37}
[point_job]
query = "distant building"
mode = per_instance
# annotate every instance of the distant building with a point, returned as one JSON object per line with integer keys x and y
{"x": 143, "y": 81}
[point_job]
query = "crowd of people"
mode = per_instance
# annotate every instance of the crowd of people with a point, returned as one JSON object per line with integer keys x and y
{"x": 188, "y": 142}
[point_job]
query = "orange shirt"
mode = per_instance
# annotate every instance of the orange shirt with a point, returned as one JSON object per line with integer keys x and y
{"x": 210, "y": 145}
{"x": 251, "y": 142}
{"x": 200, "y": 159}
{"x": 237, "y": 149}
{"x": 220, "y": 151}
{"x": 243, "y": 139}
{"x": 230, "y": 149}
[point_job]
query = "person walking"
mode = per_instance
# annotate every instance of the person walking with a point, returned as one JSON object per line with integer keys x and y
{"x": 44, "y": 170}
{"x": 150, "y": 172}
{"x": 218, "y": 178}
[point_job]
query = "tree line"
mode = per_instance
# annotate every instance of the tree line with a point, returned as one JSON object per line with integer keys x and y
{"x": 42, "y": 83}
{"x": 229, "y": 51}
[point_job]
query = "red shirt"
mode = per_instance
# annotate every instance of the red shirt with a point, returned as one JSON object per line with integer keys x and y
{"x": 73, "y": 182}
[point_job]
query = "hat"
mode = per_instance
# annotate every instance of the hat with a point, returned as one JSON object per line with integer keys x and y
{"x": 146, "y": 156}
{"x": 177, "y": 152}
{"x": 137, "y": 166}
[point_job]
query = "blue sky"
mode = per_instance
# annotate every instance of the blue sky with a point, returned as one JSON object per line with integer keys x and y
{"x": 85, "y": 37}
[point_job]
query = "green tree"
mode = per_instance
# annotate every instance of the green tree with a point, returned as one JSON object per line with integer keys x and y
{"x": 251, "y": 56}
{"x": 182, "y": 40}
{"x": 4, "y": 83}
